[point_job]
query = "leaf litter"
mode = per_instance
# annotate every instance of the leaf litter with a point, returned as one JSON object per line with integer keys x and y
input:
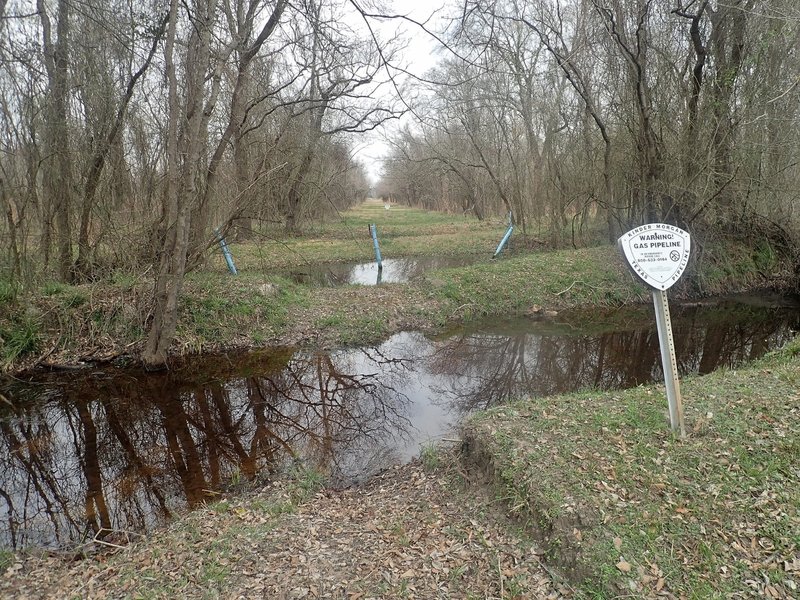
{"x": 621, "y": 506}
{"x": 408, "y": 533}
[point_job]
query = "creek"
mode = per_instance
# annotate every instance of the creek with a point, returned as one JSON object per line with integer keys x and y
{"x": 112, "y": 448}
{"x": 395, "y": 270}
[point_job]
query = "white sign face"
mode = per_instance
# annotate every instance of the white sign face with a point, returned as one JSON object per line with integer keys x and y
{"x": 658, "y": 253}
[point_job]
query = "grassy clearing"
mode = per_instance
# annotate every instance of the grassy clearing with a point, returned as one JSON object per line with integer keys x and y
{"x": 402, "y": 231}
{"x": 60, "y": 323}
{"x": 566, "y": 278}
{"x": 402, "y": 221}
{"x": 623, "y": 507}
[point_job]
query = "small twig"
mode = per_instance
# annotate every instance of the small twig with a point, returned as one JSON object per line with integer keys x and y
{"x": 568, "y": 289}
{"x": 573, "y": 285}
{"x": 462, "y": 306}
{"x": 52, "y": 349}
{"x": 109, "y": 544}
{"x": 500, "y": 574}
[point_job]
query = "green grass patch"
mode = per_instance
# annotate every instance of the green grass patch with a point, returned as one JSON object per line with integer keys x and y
{"x": 565, "y": 278}
{"x": 124, "y": 280}
{"x": 6, "y": 560}
{"x": 19, "y": 337}
{"x": 54, "y": 288}
{"x": 623, "y": 506}
{"x": 70, "y": 296}
{"x": 429, "y": 457}
{"x": 221, "y": 309}
{"x": 304, "y": 483}
{"x": 8, "y": 292}
{"x": 356, "y": 329}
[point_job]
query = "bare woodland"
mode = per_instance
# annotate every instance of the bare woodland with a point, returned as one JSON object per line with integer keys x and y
{"x": 612, "y": 113}
{"x": 133, "y": 134}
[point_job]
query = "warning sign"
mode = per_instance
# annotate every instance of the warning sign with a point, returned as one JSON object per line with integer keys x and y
{"x": 657, "y": 252}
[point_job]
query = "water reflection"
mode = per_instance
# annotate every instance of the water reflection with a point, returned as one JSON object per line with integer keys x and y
{"x": 395, "y": 270}
{"x": 124, "y": 449}
{"x": 480, "y": 369}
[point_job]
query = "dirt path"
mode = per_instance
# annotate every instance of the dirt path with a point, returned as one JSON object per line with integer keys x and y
{"x": 410, "y": 533}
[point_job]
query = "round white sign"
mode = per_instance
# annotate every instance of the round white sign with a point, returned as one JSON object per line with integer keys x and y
{"x": 657, "y": 252}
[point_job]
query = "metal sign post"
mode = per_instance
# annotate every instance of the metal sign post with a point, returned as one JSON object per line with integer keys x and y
{"x": 658, "y": 253}
{"x": 668, "y": 362}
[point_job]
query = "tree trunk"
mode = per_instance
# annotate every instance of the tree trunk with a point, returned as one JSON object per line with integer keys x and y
{"x": 82, "y": 267}
{"x": 171, "y": 260}
{"x": 727, "y": 43}
{"x": 58, "y": 172}
{"x": 16, "y": 264}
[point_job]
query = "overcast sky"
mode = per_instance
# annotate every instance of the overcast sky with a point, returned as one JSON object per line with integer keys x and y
{"x": 421, "y": 56}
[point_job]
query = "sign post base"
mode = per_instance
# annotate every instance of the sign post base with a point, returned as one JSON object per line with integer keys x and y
{"x": 668, "y": 361}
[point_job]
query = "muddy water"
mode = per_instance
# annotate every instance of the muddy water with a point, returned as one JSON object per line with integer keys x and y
{"x": 395, "y": 270}
{"x": 117, "y": 449}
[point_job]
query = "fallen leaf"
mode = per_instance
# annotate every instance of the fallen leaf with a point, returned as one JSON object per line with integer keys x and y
{"x": 624, "y": 566}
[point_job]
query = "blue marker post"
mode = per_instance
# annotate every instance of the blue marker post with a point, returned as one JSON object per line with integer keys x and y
{"x": 503, "y": 242}
{"x": 226, "y": 253}
{"x": 373, "y": 231}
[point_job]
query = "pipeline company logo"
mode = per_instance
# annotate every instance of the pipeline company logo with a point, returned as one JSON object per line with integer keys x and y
{"x": 658, "y": 253}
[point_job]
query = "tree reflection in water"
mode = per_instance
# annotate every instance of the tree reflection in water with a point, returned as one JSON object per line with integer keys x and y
{"x": 123, "y": 449}
{"x": 478, "y": 370}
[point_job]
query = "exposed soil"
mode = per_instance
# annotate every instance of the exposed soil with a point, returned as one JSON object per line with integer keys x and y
{"x": 409, "y": 533}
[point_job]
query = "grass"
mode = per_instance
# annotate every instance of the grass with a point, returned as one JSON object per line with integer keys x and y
{"x": 728, "y": 264}
{"x": 69, "y": 296}
{"x": 622, "y": 505}
{"x": 402, "y": 231}
{"x": 219, "y": 310}
{"x": 19, "y": 337}
{"x": 261, "y": 307}
{"x": 593, "y": 276}
{"x": 8, "y": 292}
{"x": 6, "y": 560}
{"x": 429, "y": 456}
